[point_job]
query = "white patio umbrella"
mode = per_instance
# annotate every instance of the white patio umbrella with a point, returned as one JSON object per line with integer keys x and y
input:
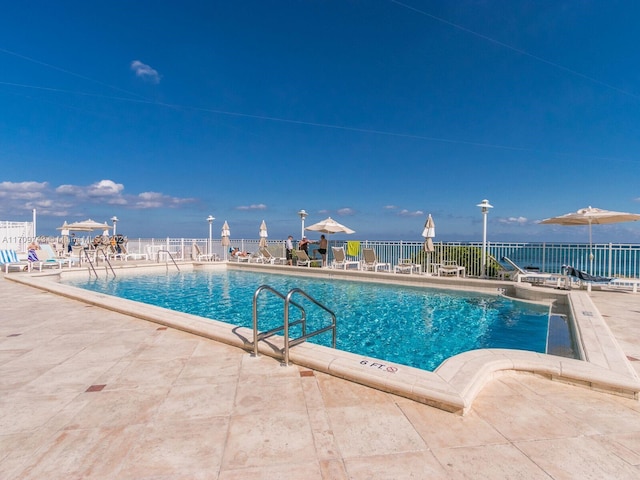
{"x": 263, "y": 234}
{"x": 329, "y": 225}
{"x": 86, "y": 226}
{"x": 225, "y": 234}
{"x": 592, "y": 216}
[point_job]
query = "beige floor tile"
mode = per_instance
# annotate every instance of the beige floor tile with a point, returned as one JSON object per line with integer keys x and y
{"x": 268, "y": 439}
{"x": 440, "y": 429}
{"x": 583, "y": 458}
{"x": 402, "y": 466}
{"x": 191, "y": 448}
{"x": 373, "y": 429}
{"x": 490, "y": 462}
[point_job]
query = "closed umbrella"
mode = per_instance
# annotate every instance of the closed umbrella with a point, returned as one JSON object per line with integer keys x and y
{"x": 592, "y": 216}
{"x": 263, "y": 234}
{"x": 225, "y": 234}
{"x": 429, "y": 233}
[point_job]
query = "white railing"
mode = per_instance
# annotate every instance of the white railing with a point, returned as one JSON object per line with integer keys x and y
{"x": 611, "y": 260}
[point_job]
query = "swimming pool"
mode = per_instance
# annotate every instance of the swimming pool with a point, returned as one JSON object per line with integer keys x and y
{"x": 414, "y": 326}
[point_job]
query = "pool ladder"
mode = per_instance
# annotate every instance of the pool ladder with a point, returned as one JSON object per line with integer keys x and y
{"x": 169, "y": 256}
{"x": 302, "y": 321}
{"x": 107, "y": 263}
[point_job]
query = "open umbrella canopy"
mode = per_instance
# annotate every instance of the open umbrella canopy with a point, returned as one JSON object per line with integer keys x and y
{"x": 263, "y": 234}
{"x": 329, "y": 225}
{"x": 85, "y": 226}
{"x": 592, "y": 216}
{"x": 428, "y": 233}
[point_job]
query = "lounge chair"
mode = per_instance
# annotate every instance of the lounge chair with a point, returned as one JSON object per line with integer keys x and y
{"x": 196, "y": 254}
{"x": 586, "y": 279}
{"x": 449, "y": 267}
{"x": 522, "y": 274}
{"x": 370, "y": 261}
{"x": 270, "y": 259}
{"x": 10, "y": 260}
{"x": 305, "y": 261}
{"x": 340, "y": 259}
{"x": 47, "y": 258}
{"x": 406, "y": 265}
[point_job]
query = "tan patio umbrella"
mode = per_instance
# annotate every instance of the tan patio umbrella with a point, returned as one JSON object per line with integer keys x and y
{"x": 263, "y": 234}
{"x": 225, "y": 234}
{"x": 592, "y": 216}
{"x": 86, "y": 226}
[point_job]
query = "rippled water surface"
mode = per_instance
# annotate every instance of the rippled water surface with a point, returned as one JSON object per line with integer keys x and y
{"x": 407, "y": 325}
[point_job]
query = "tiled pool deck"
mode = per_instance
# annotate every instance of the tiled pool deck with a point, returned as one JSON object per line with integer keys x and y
{"x": 90, "y": 393}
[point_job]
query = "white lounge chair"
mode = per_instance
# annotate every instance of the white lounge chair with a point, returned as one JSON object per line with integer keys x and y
{"x": 267, "y": 257}
{"x": 370, "y": 261}
{"x": 340, "y": 259}
{"x": 9, "y": 259}
{"x": 305, "y": 261}
{"x": 523, "y": 275}
{"x": 196, "y": 254}
{"x": 449, "y": 267}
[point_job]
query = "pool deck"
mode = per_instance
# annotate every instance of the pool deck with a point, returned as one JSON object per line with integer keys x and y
{"x": 88, "y": 392}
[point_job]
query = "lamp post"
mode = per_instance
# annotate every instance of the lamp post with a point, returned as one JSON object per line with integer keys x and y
{"x": 210, "y": 219}
{"x": 303, "y": 215}
{"x": 114, "y": 220}
{"x": 484, "y": 208}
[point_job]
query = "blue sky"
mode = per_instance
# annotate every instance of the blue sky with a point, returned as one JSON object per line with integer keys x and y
{"x": 376, "y": 113}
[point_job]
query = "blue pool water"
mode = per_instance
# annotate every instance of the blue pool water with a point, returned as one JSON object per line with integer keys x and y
{"x": 411, "y": 326}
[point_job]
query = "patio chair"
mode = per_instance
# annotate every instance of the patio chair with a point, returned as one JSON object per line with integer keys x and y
{"x": 340, "y": 259}
{"x": 449, "y": 267}
{"x": 522, "y": 274}
{"x": 305, "y": 261}
{"x": 267, "y": 257}
{"x": 585, "y": 279}
{"x": 370, "y": 261}
{"x": 47, "y": 258}
{"x": 196, "y": 254}
{"x": 10, "y": 260}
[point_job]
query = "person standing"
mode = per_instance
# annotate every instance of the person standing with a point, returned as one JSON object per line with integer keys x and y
{"x": 289, "y": 248}
{"x": 304, "y": 245}
{"x": 322, "y": 248}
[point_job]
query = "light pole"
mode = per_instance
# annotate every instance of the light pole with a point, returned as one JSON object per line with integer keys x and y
{"x": 484, "y": 208}
{"x": 114, "y": 220}
{"x": 210, "y": 219}
{"x": 303, "y": 215}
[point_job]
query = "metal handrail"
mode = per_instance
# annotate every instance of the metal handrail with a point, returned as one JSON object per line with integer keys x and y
{"x": 106, "y": 260}
{"x": 88, "y": 257}
{"x": 167, "y": 262}
{"x": 288, "y": 343}
{"x": 266, "y": 334}
{"x": 291, "y": 343}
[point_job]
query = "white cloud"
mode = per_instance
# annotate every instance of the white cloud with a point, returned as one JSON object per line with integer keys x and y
{"x": 407, "y": 213}
{"x": 346, "y": 211}
{"x": 260, "y": 206}
{"x": 514, "y": 220}
{"x": 19, "y": 198}
{"x": 145, "y": 72}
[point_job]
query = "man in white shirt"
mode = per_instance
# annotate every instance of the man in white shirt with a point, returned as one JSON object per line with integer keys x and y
{"x": 289, "y": 247}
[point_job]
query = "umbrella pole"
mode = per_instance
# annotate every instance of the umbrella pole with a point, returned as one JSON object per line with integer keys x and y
{"x": 590, "y": 250}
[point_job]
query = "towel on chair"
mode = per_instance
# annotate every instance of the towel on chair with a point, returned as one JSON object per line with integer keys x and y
{"x": 353, "y": 248}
